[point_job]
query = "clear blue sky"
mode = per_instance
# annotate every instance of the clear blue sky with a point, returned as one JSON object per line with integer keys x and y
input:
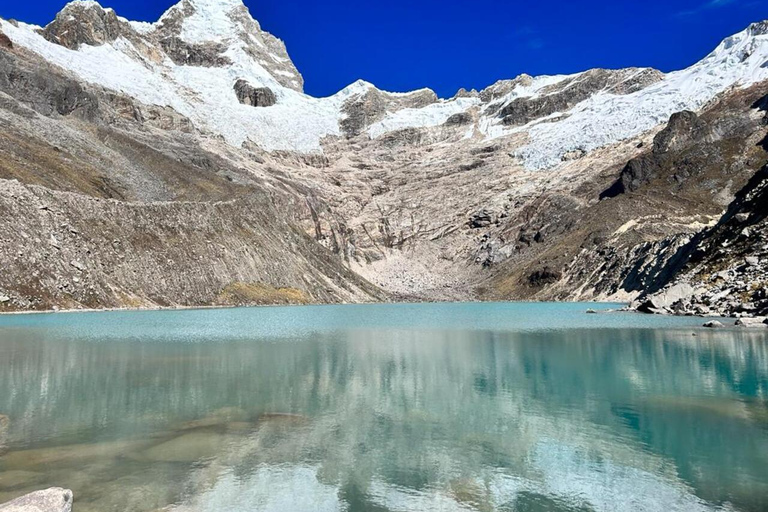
{"x": 406, "y": 44}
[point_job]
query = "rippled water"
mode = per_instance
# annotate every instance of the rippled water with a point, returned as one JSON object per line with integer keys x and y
{"x": 509, "y": 407}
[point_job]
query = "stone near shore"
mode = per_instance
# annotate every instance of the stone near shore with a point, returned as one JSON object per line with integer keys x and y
{"x": 752, "y": 322}
{"x": 54, "y": 499}
{"x": 714, "y": 324}
{"x": 664, "y": 301}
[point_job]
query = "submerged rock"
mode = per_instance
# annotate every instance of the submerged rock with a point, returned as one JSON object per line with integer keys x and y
{"x": 714, "y": 324}
{"x": 17, "y": 479}
{"x": 75, "y": 453}
{"x": 186, "y": 448}
{"x": 54, "y": 499}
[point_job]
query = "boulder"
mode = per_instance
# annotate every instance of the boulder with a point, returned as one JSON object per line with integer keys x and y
{"x": 714, "y": 324}
{"x": 254, "y": 96}
{"x": 54, "y": 499}
{"x": 665, "y": 300}
{"x": 480, "y": 219}
{"x": 751, "y": 322}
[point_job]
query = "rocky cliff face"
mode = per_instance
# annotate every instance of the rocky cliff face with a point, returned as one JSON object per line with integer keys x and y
{"x": 723, "y": 271}
{"x": 180, "y": 163}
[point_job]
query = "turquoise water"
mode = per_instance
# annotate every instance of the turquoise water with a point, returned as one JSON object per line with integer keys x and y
{"x": 451, "y": 407}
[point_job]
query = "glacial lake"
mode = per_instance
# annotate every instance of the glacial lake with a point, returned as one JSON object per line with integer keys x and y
{"x": 430, "y": 407}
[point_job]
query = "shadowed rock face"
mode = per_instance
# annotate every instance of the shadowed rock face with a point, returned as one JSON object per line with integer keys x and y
{"x": 81, "y": 23}
{"x": 682, "y": 128}
{"x": 638, "y": 238}
{"x": 724, "y": 269}
{"x": 54, "y": 499}
{"x": 685, "y": 144}
{"x": 185, "y": 54}
{"x": 460, "y": 119}
{"x": 254, "y": 96}
{"x": 44, "y": 91}
{"x": 5, "y": 42}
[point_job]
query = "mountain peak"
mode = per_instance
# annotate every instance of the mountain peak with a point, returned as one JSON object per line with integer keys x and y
{"x": 210, "y": 20}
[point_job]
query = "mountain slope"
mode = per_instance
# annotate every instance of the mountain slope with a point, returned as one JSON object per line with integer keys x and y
{"x": 506, "y": 193}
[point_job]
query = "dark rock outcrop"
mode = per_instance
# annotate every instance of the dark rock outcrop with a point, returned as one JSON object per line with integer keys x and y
{"x": 5, "y": 42}
{"x": 544, "y": 276}
{"x": 687, "y": 147}
{"x": 45, "y": 91}
{"x": 481, "y": 219}
{"x": 682, "y": 128}
{"x": 186, "y": 54}
{"x": 254, "y": 96}
{"x": 460, "y": 119}
{"x": 363, "y": 111}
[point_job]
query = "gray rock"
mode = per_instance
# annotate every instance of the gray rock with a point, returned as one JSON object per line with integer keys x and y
{"x": 752, "y": 261}
{"x": 591, "y": 311}
{"x": 667, "y": 298}
{"x": 186, "y": 54}
{"x": 254, "y": 96}
{"x": 682, "y": 127}
{"x": 751, "y": 322}
{"x": 481, "y": 219}
{"x": 714, "y": 324}
{"x": 460, "y": 119}
{"x": 573, "y": 154}
{"x": 83, "y": 23}
{"x": 54, "y": 499}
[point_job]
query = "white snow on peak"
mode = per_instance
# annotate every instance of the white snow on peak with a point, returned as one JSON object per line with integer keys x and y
{"x": 605, "y": 118}
{"x": 210, "y": 21}
{"x": 88, "y": 4}
{"x": 299, "y": 122}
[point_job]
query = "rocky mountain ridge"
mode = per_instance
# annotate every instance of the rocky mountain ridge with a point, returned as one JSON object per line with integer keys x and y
{"x": 545, "y": 188}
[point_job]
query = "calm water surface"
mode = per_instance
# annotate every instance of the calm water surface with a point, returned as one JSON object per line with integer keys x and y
{"x": 463, "y": 407}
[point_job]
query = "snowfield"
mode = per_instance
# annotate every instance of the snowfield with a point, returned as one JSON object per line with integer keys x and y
{"x": 299, "y": 122}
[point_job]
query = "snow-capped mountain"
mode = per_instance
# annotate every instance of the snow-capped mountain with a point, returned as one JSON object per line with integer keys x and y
{"x": 181, "y": 163}
{"x": 191, "y": 58}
